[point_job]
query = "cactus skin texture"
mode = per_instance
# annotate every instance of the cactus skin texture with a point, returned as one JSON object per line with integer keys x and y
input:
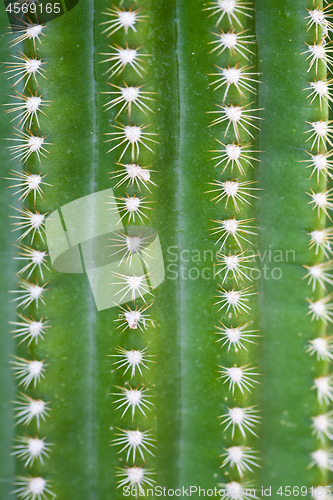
{"x": 188, "y": 391}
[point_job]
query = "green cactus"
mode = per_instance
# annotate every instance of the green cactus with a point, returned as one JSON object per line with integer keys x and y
{"x": 175, "y": 333}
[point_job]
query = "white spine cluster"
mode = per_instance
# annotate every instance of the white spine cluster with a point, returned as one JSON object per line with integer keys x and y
{"x": 241, "y": 457}
{"x": 131, "y": 136}
{"x": 28, "y": 371}
{"x": 120, "y": 57}
{"x": 239, "y": 376}
{"x": 244, "y": 418}
{"x": 27, "y": 108}
{"x": 132, "y": 360}
{"x": 134, "y": 318}
{"x": 31, "y": 449}
{"x": 134, "y": 441}
{"x": 121, "y": 18}
{"x": 33, "y": 488}
{"x": 30, "y": 329}
{"x": 133, "y": 398}
{"x": 135, "y": 477}
{"x": 236, "y": 336}
{"x": 318, "y": 274}
{"x": 25, "y": 67}
{"x": 131, "y": 206}
{"x": 29, "y": 409}
{"x": 134, "y": 286}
